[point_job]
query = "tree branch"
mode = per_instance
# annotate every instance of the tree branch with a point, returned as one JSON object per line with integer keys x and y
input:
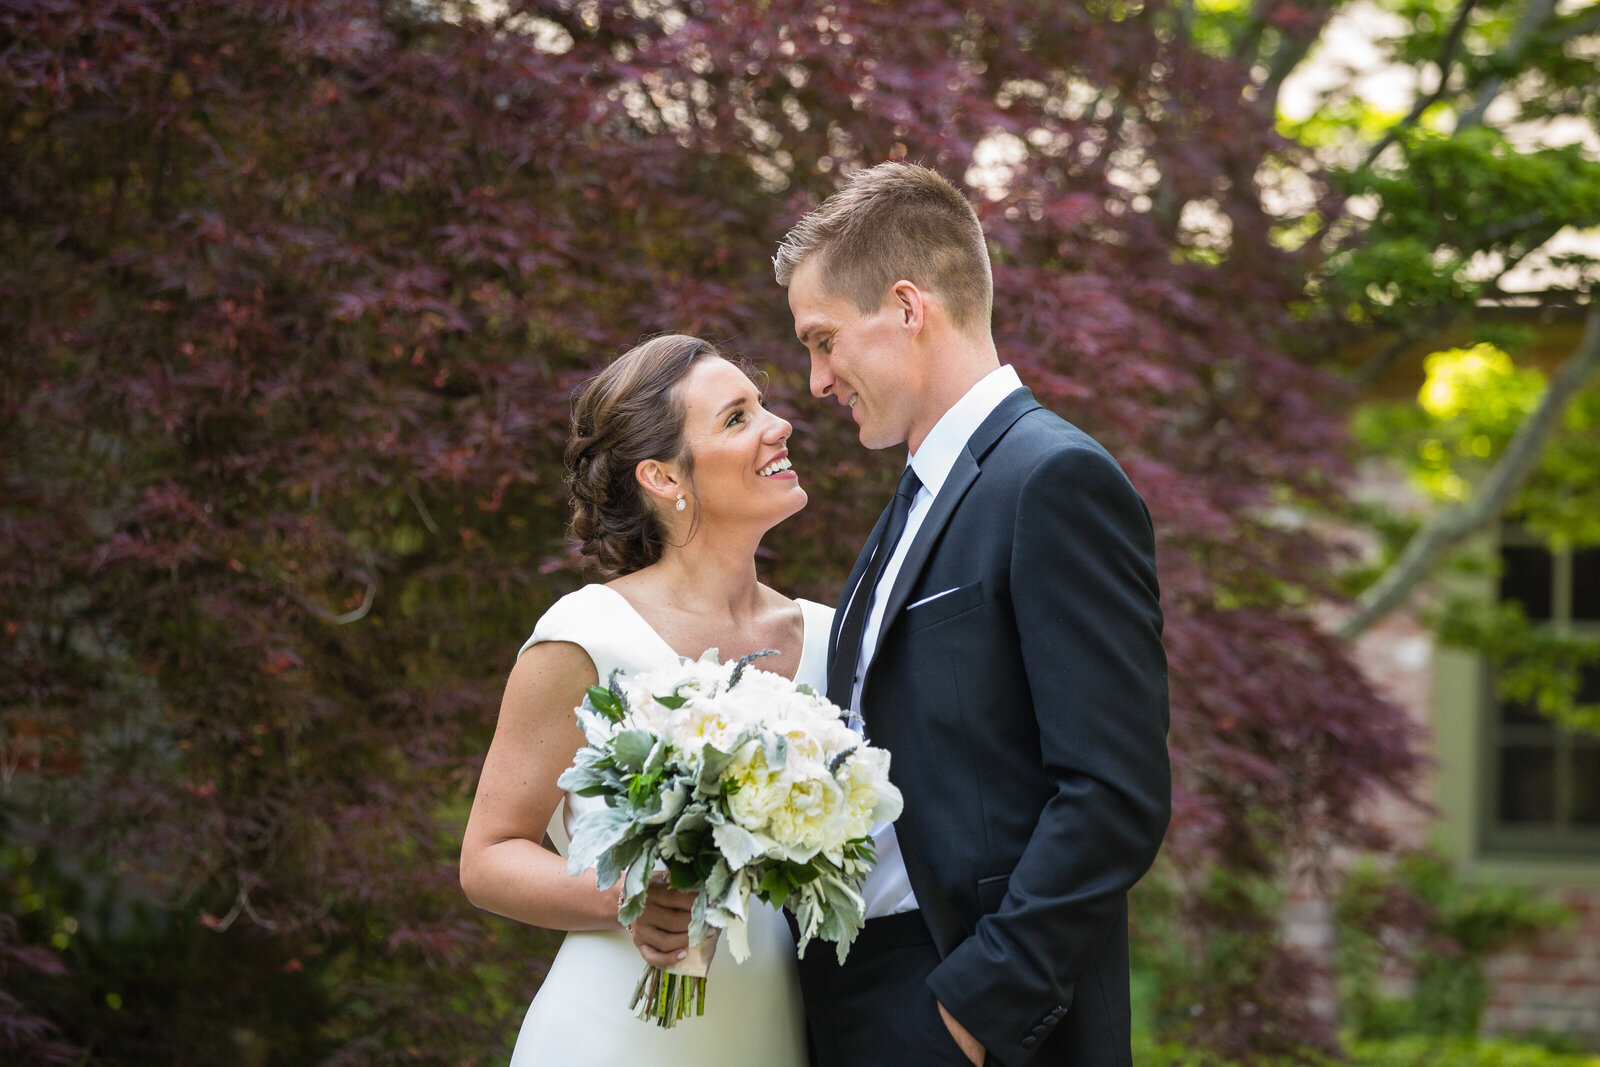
{"x": 1534, "y": 16}
{"x": 1578, "y": 26}
{"x": 350, "y": 616}
{"x": 1424, "y": 550}
{"x": 1510, "y": 228}
{"x": 1446, "y": 60}
{"x": 1450, "y": 314}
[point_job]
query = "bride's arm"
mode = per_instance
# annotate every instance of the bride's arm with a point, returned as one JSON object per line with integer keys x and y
{"x": 505, "y": 868}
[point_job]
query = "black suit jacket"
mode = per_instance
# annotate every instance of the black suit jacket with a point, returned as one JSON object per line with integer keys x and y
{"x": 1025, "y": 707}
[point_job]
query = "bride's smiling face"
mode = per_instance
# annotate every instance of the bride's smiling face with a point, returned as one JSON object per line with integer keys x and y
{"x": 741, "y": 468}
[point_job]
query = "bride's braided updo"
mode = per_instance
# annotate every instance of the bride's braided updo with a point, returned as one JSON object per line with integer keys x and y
{"x": 628, "y": 413}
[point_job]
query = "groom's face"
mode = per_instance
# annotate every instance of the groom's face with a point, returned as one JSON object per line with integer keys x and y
{"x": 856, "y": 358}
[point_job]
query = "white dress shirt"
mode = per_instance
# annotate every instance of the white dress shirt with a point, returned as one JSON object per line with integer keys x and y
{"x": 887, "y": 890}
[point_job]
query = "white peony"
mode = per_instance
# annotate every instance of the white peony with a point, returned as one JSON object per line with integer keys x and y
{"x": 871, "y": 797}
{"x": 760, "y": 791}
{"x": 810, "y": 819}
{"x": 702, "y": 722}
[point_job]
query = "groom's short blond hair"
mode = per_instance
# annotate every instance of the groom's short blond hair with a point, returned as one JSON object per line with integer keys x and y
{"x": 891, "y": 222}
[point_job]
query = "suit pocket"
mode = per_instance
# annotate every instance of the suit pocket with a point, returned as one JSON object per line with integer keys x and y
{"x": 944, "y": 606}
{"x": 991, "y": 891}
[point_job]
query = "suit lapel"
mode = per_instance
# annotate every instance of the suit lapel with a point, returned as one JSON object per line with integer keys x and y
{"x": 1016, "y": 404}
{"x": 962, "y": 475}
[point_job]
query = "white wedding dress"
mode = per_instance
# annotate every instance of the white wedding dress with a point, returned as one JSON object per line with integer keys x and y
{"x": 581, "y": 1015}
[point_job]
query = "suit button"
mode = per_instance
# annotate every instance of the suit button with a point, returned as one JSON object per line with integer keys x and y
{"x": 1029, "y": 1041}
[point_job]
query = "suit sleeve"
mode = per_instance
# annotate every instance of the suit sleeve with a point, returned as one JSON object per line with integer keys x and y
{"x": 1083, "y": 588}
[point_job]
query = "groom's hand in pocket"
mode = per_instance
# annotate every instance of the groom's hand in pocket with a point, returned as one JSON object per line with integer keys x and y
{"x": 661, "y": 934}
{"x": 969, "y": 1044}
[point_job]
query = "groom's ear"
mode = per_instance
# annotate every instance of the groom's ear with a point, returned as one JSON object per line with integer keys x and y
{"x": 910, "y": 304}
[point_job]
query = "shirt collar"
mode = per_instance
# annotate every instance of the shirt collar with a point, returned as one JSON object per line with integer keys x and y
{"x": 950, "y": 434}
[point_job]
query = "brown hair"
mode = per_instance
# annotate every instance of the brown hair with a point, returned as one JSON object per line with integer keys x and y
{"x": 628, "y": 413}
{"x": 891, "y": 222}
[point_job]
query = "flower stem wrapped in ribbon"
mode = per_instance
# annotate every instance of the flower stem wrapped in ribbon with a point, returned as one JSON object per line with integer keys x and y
{"x": 739, "y": 783}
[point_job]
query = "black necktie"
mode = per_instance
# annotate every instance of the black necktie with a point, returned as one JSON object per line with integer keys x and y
{"x": 842, "y": 677}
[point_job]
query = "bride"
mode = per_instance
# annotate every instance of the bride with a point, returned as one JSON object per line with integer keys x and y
{"x": 677, "y": 472}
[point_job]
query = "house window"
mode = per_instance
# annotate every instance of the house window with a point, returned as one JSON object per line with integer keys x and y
{"x": 1544, "y": 782}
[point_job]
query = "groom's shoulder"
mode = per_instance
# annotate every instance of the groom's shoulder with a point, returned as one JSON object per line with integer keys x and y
{"x": 1041, "y": 434}
{"x": 1042, "y": 449}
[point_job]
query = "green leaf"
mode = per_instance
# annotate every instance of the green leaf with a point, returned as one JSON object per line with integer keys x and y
{"x": 596, "y": 833}
{"x": 602, "y": 702}
{"x": 682, "y": 875}
{"x": 669, "y": 802}
{"x": 774, "y": 888}
{"x": 615, "y": 860}
{"x": 713, "y": 762}
{"x": 739, "y": 845}
{"x": 631, "y": 748}
{"x": 642, "y": 787}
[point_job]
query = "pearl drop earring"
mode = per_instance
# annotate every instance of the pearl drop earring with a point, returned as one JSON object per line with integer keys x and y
{"x": 681, "y": 504}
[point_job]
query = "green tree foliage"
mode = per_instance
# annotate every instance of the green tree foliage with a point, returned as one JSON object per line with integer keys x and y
{"x": 1463, "y": 1052}
{"x": 1444, "y": 225}
{"x": 1399, "y": 1052}
{"x": 1470, "y": 406}
{"x": 1421, "y": 918}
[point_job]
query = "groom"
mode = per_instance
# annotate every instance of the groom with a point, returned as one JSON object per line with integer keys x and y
{"x": 1000, "y": 634}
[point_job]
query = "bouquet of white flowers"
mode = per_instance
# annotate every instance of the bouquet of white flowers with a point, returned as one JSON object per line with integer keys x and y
{"x": 741, "y": 783}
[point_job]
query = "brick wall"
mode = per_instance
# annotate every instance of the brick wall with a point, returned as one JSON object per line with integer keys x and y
{"x": 1553, "y": 985}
